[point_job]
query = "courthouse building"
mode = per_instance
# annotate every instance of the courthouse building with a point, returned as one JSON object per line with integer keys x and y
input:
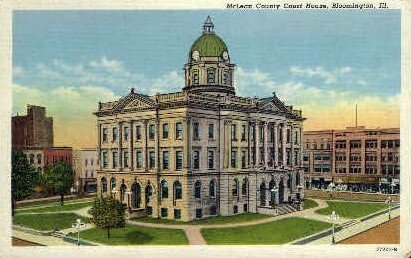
{"x": 356, "y": 159}
{"x": 203, "y": 151}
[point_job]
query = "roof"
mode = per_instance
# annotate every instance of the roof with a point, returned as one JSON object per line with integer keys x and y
{"x": 209, "y": 45}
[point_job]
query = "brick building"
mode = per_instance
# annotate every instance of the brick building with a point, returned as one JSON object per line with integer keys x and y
{"x": 86, "y": 164}
{"x": 33, "y": 129}
{"x": 356, "y": 158}
{"x": 41, "y": 158}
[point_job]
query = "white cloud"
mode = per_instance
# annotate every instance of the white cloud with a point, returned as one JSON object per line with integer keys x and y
{"x": 330, "y": 77}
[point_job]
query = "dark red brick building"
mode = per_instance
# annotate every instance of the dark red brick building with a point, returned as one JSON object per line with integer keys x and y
{"x": 33, "y": 129}
{"x": 56, "y": 154}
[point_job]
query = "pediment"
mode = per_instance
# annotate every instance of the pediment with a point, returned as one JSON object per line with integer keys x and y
{"x": 133, "y": 100}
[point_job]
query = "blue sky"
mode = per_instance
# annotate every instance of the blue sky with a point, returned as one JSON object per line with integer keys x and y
{"x": 315, "y": 60}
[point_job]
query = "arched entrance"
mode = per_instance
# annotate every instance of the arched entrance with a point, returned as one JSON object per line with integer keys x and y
{"x": 281, "y": 191}
{"x": 262, "y": 194}
{"x": 135, "y": 195}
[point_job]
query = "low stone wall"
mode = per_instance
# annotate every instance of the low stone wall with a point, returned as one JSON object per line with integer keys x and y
{"x": 352, "y": 196}
{"x": 51, "y": 199}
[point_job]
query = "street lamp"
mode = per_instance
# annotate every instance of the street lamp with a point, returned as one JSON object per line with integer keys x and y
{"x": 334, "y": 217}
{"x": 78, "y": 225}
{"x": 389, "y": 201}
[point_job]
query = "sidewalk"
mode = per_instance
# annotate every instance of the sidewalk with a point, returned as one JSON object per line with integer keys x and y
{"x": 43, "y": 240}
{"x": 357, "y": 228}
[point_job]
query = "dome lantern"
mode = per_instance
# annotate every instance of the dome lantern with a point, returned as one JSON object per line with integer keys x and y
{"x": 208, "y": 27}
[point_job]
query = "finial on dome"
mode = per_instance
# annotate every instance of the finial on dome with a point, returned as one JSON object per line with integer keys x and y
{"x": 208, "y": 27}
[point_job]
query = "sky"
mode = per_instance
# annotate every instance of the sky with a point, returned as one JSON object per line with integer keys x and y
{"x": 323, "y": 62}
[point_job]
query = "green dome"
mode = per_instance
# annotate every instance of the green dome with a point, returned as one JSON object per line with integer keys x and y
{"x": 209, "y": 45}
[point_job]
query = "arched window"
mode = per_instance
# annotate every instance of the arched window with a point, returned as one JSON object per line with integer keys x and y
{"x": 178, "y": 191}
{"x": 123, "y": 188}
{"x": 297, "y": 178}
{"x": 235, "y": 187}
{"x": 31, "y": 160}
{"x": 149, "y": 192}
{"x": 197, "y": 189}
{"x": 212, "y": 188}
{"x": 211, "y": 75}
{"x": 112, "y": 183}
{"x": 103, "y": 184}
{"x": 135, "y": 195}
{"x": 164, "y": 189}
{"x": 244, "y": 188}
{"x": 39, "y": 159}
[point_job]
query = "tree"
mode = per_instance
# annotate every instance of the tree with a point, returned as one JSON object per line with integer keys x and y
{"x": 23, "y": 178}
{"x": 59, "y": 177}
{"x": 108, "y": 213}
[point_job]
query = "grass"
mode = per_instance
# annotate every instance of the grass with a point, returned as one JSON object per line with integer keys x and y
{"x": 352, "y": 210}
{"x": 244, "y": 217}
{"x": 308, "y": 204}
{"x": 273, "y": 233}
{"x": 56, "y": 207}
{"x": 136, "y": 235}
{"x": 47, "y": 222}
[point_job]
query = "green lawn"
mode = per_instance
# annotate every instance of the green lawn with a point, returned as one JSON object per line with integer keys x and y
{"x": 308, "y": 204}
{"x": 352, "y": 210}
{"x": 273, "y": 233}
{"x": 55, "y": 207}
{"x": 245, "y": 217}
{"x": 136, "y": 235}
{"x": 47, "y": 222}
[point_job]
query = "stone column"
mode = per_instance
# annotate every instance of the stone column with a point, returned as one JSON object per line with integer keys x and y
{"x": 284, "y": 143}
{"x": 98, "y": 145}
{"x": 145, "y": 142}
{"x": 250, "y": 144}
{"x": 131, "y": 145}
{"x": 275, "y": 144}
{"x": 266, "y": 145}
{"x": 186, "y": 142}
{"x": 257, "y": 143}
{"x": 157, "y": 146}
{"x": 120, "y": 145}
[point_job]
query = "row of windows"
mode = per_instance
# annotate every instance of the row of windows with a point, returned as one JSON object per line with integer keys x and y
{"x": 32, "y": 157}
{"x": 368, "y": 144}
{"x": 86, "y": 162}
{"x": 211, "y": 75}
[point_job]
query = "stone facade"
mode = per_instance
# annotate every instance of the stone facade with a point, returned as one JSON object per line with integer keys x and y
{"x": 356, "y": 158}
{"x": 32, "y": 130}
{"x": 203, "y": 151}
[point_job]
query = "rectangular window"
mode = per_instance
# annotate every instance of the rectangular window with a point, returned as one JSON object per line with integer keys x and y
{"x": 179, "y": 160}
{"x": 195, "y": 78}
{"x": 105, "y": 159}
{"x": 210, "y": 75}
{"x": 234, "y": 158}
{"x": 149, "y": 210}
{"x": 126, "y": 159}
{"x": 296, "y": 137}
{"x": 115, "y": 134}
{"x": 138, "y": 132}
{"x": 243, "y": 132}
{"x": 179, "y": 130}
{"x": 288, "y": 157}
{"x": 196, "y": 159}
{"x": 105, "y": 134}
{"x": 199, "y": 213}
{"x": 243, "y": 159}
{"x": 152, "y": 159}
{"x": 151, "y": 131}
{"x": 196, "y": 131}
{"x": 225, "y": 78}
{"x": 165, "y": 131}
{"x": 177, "y": 214}
{"x": 139, "y": 159}
{"x": 213, "y": 210}
{"x": 126, "y": 133}
{"x": 165, "y": 160}
{"x": 211, "y": 159}
{"x": 233, "y": 132}
{"x": 210, "y": 131}
{"x": 115, "y": 159}
{"x": 164, "y": 212}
